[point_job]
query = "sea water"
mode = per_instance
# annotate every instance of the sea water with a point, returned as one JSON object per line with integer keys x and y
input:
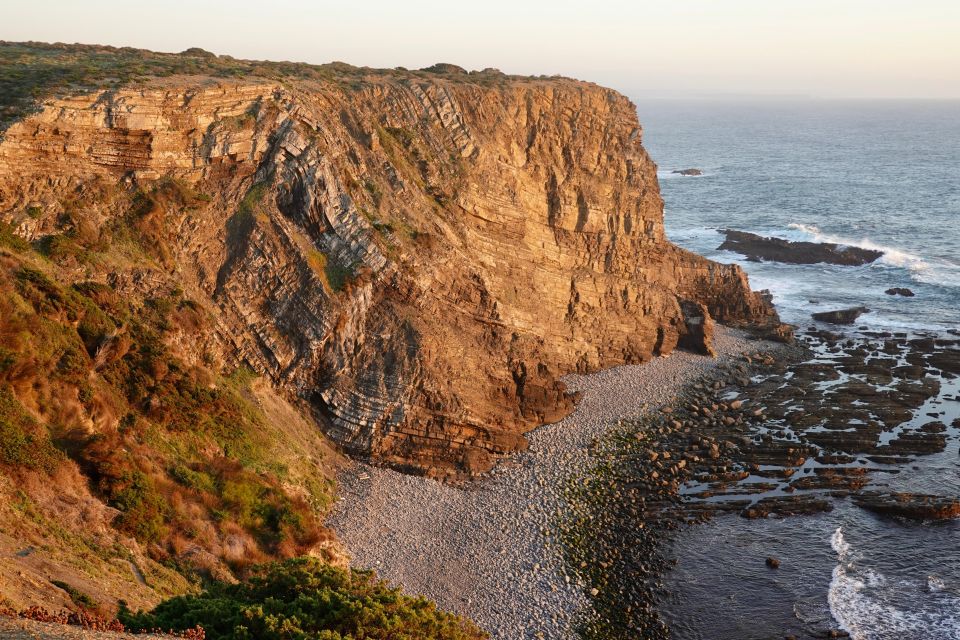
{"x": 880, "y": 175}
{"x": 877, "y": 175}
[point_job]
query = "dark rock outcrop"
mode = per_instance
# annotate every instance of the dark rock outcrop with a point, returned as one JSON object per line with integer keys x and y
{"x": 689, "y": 172}
{"x": 900, "y": 291}
{"x": 910, "y": 505}
{"x": 699, "y": 324}
{"x": 757, "y": 248}
{"x": 841, "y": 316}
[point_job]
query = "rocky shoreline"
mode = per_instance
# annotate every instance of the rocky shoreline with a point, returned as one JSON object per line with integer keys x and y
{"x": 626, "y": 509}
{"x": 498, "y": 549}
{"x": 775, "y": 435}
{"x": 574, "y": 530}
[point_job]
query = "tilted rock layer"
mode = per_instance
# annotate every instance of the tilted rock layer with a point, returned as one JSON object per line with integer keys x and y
{"x": 420, "y": 256}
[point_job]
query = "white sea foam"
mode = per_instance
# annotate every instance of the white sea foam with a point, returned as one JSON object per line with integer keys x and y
{"x": 859, "y": 605}
{"x": 670, "y": 174}
{"x": 921, "y": 269}
{"x": 934, "y": 584}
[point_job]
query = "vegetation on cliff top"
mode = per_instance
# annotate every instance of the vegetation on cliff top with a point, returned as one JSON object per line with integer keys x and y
{"x": 304, "y": 598}
{"x": 31, "y": 71}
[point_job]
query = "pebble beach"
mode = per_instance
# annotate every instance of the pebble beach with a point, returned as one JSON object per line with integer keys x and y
{"x": 488, "y": 550}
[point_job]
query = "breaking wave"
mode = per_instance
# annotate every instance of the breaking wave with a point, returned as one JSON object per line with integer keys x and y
{"x": 920, "y": 268}
{"x": 868, "y": 608}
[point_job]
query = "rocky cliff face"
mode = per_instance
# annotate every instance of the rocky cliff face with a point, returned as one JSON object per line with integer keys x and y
{"x": 419, "y": 256}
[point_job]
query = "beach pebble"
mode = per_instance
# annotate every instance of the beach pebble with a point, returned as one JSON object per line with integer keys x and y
{"x": 470, "y": 547}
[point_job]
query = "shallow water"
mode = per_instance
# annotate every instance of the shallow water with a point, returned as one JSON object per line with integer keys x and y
{"x": 881, "y": 176}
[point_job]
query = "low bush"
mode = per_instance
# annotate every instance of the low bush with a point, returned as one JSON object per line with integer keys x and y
{"x": 143, "y": 509}
{"x": 79, "y": 598}
{"x": 11, "y": 240}
{"x": 305, "y": 598}
{"x": 23, "y": 442}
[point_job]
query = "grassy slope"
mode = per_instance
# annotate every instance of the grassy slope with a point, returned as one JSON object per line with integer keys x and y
{"x": 97, "y": 401}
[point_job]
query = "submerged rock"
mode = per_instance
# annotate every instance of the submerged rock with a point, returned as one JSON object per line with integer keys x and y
{"x": 900, "y": 291}
{"x": 688, "y": 172}
{"x": 757, "y": 247}
{"x": 910, "y": 505}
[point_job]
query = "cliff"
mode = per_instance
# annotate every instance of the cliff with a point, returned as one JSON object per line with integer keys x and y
{"x": 419, "y": 256}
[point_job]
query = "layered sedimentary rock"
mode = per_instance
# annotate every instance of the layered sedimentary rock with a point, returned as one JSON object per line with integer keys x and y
{"x": 421, "y": 256}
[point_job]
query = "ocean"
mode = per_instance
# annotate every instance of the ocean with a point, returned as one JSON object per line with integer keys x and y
{"x": 881, "y": 175}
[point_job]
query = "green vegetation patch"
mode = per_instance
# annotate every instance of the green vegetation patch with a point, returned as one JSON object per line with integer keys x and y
{"x": 191, "y": 456}
{"x": 11, "y": 240}
{"x": 335, "y": 275}
{"x": 338, "y": 275}
{"x": 305, "y": 598}
{"x": 23, "y": 443}
{"x": 79, "y": 598}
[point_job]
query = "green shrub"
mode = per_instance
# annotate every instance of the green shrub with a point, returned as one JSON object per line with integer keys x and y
{"x": 305, "y": 598}
{"x": 338, "y": 275}
{"x": 78, "y": 597}
{"x": 251, "y": 200}
{"x": 143, "y": 509}
{"x": 193, "y": 479}
{"x": 8, "y": 358}
{"x": 10, "y": 239}
{"x": 44, "y": 294}
{"x": 23, "y": 442}
{"x": 94, "y": 327}
{"x": 62, "y": 248}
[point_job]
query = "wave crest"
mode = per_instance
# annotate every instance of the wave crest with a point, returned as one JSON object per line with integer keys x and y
{"x": 860, "y": 607}
{"x": 921, "y": 269}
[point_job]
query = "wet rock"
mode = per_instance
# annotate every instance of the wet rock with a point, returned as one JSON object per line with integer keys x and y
{"x": 780, "y": 250}
{"x": 917, "y": 443}
{"x": 840, "y": 316}
{"x": 688, "y": 172}
{"x": 910, "y": 505}
{"x": 900, "y": 291}
{"x": 934, "y": 427}
{"x": 847, "y": 478}
{"x": 773, "y": 563}
{"x": 947, "y": 361}
{"x": 781, "y": 506}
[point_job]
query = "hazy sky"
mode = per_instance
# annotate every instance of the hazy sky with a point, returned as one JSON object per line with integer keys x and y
{"x": 670, "y": 48}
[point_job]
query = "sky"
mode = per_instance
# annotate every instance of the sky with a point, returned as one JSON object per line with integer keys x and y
{"x": 664, "y": 49}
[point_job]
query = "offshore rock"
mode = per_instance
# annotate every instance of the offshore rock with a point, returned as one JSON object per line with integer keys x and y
{"x": 420, "y": 256}
{"x": 841, "y": 316}
{"x": 779, "y": 250}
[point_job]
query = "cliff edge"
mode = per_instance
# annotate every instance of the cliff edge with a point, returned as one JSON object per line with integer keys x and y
{"x": 418, "y": 256}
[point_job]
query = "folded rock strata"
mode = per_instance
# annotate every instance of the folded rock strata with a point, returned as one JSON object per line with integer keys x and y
{"x": 421, "y": 256}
